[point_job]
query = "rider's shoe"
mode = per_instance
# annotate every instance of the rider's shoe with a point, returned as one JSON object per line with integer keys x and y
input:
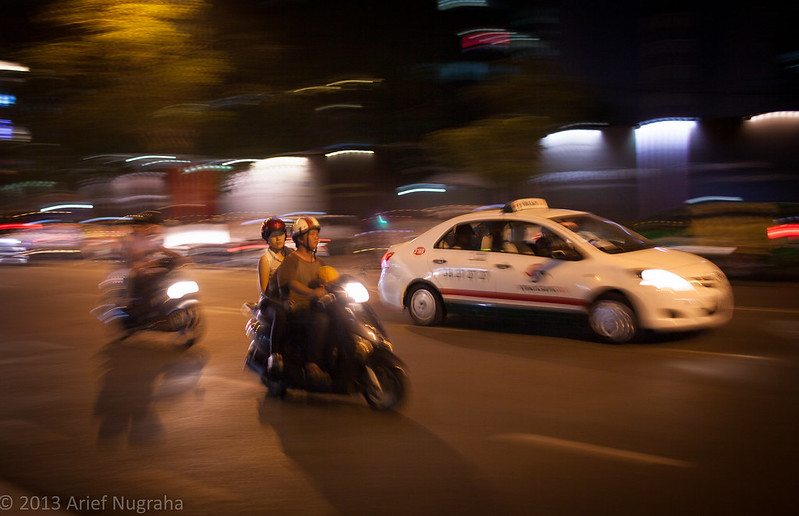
{"x": 317, "y": 377}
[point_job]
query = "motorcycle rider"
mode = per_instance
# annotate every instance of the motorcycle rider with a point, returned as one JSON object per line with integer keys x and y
{"x": 273, "y": 231}
{"x": 300, "y": 284}
{"x": 139, "y": 251}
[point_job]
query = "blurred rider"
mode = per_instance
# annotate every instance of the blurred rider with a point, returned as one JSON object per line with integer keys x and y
{"x": 300, "y": 284}
{"x": 140, "y": 250}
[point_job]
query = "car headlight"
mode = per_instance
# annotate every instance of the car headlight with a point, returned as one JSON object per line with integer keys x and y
{"x": 357, "y": 292}
{"x": 664, "y": 280}
{"x": 181, "y": 288}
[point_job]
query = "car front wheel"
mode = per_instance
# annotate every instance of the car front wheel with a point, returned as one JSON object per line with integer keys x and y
{"x": 612, "y": 319}
{"x": 425, "y": 306}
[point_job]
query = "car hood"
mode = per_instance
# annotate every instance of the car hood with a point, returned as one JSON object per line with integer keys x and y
{"x": 667, "y": 259}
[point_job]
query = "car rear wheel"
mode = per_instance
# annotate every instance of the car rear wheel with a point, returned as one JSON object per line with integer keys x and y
{"x": 425, "y": 306}
{"x": 612, "y": 319}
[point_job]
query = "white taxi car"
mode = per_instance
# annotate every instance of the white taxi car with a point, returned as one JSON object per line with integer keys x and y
{"x": 527, "y": 256}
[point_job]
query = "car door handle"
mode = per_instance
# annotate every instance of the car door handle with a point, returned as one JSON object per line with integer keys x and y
{"x": 502, "y": 265}
{"x": 439, "y": 260}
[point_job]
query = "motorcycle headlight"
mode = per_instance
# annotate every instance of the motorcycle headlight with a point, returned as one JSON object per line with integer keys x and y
{"x": 181, "y": 288}
{"x": 664, "y": 280}
{"x": 357, "y": 292}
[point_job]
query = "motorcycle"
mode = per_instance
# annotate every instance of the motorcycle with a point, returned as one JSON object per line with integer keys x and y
{"x": 360, "y": 354}
{"x": 173, "y": 306}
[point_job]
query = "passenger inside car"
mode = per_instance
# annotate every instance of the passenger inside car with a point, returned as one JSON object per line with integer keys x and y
{"x": 462, "y": 237}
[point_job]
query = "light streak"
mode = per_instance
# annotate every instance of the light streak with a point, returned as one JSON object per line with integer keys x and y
{"x": 63, "y": 206}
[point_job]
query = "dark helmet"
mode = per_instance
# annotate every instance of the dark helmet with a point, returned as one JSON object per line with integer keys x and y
{"x": 302, "y": 226}
{"x": 148, "y": 217}
{"x": 272, "y": 225}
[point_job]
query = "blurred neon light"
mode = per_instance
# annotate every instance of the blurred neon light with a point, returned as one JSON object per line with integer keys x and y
{"x": 354, "y": 81}
{"x": 573, "y": 137}
{"x": 443, "y": 5}
{"x": 783, "y": 231}
{"x": 20, "y": 226}
{"x": 339, "y": 106}
{"x": 342, "y": 152}
{"x": 64, "y": 206}
{"x": 297, "y": 213}
{"x": 775, "y": 114}
{"x": 421, "y": 187}
{"x": 666, "y": 126}
{"x": 696, "y": 200}
{"x": 8, "y": 66}
{"x": 243, "y": 160}
{"x": 197, "y": 236}
{"x": 485, "y": 38}
{"x": 101, "y": 219}
{"x": 149, "y": 157}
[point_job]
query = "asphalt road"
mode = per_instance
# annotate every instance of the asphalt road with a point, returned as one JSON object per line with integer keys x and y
{"x": 504, "y": 417}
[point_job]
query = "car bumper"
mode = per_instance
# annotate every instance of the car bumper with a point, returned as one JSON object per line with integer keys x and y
{"x": 699, "y": 311}
{"x": 390, "y": 289}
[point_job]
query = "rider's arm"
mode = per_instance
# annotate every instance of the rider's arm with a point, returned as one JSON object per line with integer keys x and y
{"x": 304, "y": 290}
{"x": 263, "y": 273}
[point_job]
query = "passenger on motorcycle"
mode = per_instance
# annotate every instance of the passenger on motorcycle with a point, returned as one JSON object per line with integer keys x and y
{"x": 300, "y": 284}
{"x": 140, "y": 250}
{"x": 273, "y": 231}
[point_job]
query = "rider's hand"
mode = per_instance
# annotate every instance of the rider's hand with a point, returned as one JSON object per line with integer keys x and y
{"x": 319, "y": 292}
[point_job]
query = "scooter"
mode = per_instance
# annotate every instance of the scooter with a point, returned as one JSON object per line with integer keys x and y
{"x": 361, "y": 356}
{"x": 174, "y": 305}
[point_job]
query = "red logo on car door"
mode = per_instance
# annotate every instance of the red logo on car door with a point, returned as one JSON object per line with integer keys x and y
{"x": 419, "y": 251}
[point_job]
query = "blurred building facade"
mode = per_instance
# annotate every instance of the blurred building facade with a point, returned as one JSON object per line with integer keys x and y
{"x": 712, "y": 68}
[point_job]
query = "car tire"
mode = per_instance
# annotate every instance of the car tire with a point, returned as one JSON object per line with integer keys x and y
{"x": 425, "y": 306}
{"x": 612, "y": 319}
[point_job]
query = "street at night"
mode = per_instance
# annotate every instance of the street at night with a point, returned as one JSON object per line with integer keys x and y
{"x": 503, "y": 417}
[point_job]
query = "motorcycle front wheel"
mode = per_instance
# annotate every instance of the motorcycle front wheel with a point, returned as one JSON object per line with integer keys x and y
{"x": 384, "y": 385}
{"x": 189, "y": 325}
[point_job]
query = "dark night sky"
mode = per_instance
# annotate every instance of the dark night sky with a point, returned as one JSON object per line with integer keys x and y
{"x": 599, "y": 38}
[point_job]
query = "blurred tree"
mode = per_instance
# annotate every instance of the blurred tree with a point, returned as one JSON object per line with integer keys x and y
{"x": 512, "y": 113}
{"x": 139, "y": 71}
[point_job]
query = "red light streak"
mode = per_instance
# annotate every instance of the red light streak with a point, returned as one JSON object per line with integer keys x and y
{"x": 20, "y": 226}
{"x": 783, "y": 231}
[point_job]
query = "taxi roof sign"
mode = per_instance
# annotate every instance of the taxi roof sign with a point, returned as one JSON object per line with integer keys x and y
{"x": 524, "y": 204}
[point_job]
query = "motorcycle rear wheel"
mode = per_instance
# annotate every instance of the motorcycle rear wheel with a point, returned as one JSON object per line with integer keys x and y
{"x": 384, "y": 386}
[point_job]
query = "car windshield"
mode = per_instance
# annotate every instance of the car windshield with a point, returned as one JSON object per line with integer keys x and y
{"x": 604, "y": 234}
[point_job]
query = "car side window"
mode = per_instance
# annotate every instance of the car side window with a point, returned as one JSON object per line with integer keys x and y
{"x": 520, "y": 237}
{"x": 461, "y": 236}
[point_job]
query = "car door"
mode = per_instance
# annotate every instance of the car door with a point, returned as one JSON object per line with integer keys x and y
{"x": 460, "y": 268}
{"x": 538, "y": 269}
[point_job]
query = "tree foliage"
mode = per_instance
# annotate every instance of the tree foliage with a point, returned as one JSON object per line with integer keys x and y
{"x": 124, "y": 61}
{"x": 514, "y": 112}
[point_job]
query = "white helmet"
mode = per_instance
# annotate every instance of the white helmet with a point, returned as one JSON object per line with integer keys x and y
{"x": 302, "y": 226}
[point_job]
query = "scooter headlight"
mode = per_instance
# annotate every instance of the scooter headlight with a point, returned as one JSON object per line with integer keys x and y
{"x": 357, "y": 292}
{"x": 182, "y": 288}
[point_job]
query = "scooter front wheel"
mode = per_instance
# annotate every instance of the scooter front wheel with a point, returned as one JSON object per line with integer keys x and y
{"x": 384, "y": 385}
